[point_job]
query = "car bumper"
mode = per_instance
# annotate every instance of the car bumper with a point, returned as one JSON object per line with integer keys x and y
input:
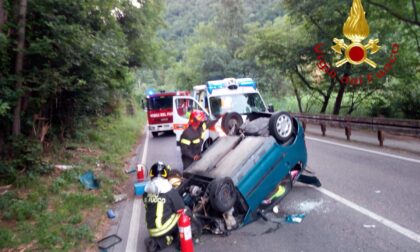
{"x": 160, "y": 127}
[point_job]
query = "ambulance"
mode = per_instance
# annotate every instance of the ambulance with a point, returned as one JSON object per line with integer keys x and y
{"x": 216, "y": 98}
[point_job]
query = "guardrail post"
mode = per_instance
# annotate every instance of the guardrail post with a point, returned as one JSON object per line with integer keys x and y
{"x": 348, "y": 133}
{"x": 381, "y": 138}
{"x": 323, "y": 129}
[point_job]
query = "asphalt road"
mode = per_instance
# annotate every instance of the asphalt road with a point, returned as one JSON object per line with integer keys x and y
{"x": 368, "y": 202}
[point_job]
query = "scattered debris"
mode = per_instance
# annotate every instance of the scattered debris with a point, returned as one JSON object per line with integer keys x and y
{"x": 110, "y": 214}
{"x": 369, "y": 226}
{"x": 89, "y": 181}
{"x": 130, "y": 170}
{"x": 141, "y": 172}
{"x": 277, "y": 220}
{"x": 309, "y": 205}
{"x": 64, "y": 167}
{"x": 139, "y": 188}
{"x": 295, "y": 218}
{"x": 310, "y": 180}
{"x": 108, "y": 242}
{"x": 120, "y": 197}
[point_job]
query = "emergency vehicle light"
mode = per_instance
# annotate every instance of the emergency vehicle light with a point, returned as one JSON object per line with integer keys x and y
{"x": 247, "y": 82}
{"x": 212, "y": 85}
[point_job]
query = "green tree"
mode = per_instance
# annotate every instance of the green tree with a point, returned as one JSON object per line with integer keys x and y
{"x": 76, "y": 61}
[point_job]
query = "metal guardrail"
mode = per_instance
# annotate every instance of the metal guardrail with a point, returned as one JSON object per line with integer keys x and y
{"x": 406, "y": 127}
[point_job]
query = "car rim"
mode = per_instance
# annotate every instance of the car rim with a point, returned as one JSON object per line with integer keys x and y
{"x": 284, "y": 125}
{"x": 233, "y": 123}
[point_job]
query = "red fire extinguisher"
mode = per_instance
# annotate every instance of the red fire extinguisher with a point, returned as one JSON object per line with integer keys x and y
{"x": 140, "y": 172}
{"x": 185, "y": 235}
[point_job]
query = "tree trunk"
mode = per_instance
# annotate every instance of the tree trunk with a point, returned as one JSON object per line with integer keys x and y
{"x": 19, "y": 65}
{"x": 298, "y": 98}
{"x": 324, "y": 105}
{"x": 339, "y": 99}
{"x": 327, "y": 96}
{"x": 2, "y": 15}
{"x": 341, "y": 90}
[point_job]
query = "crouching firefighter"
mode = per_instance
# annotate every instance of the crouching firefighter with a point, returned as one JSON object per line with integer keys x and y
{"x": 162, "y": 203}
{"x": 192, "y": 138}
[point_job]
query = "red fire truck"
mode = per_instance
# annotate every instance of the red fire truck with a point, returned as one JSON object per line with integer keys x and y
{"x": 159, "y": 111}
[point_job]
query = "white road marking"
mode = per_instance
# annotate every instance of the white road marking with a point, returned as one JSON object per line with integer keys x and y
{"x": 364, "y": 150}
{"x": 135, "y": 215}
{"x": 404, "y": 231}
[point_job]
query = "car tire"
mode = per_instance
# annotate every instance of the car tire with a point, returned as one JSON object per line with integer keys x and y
{"x": 282, "y": 127}
{"x": 222, "y": 194}
{"x": 231, "y": 120}
{"x": 155, "y": 134}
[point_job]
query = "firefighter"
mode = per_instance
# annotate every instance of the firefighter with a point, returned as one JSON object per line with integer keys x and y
{"x": 162, "y": 203}
{"x": 192, "y": 138}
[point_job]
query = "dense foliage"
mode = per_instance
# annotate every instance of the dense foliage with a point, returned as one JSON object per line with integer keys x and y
{"x": 63, "y": 63}
{"x": 273, "y": 41}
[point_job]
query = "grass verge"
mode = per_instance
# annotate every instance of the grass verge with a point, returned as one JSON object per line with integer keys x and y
{"x": 55, "y": 212}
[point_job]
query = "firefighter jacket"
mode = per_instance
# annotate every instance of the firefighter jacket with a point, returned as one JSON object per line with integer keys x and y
{"x": 191, "y": 142}
{"x": 161, "y": 202}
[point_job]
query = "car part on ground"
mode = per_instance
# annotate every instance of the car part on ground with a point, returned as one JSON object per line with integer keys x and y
{"x": 231, "y": 123}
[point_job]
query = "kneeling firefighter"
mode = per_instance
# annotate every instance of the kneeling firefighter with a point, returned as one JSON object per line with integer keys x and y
{"x": 162, "y": 203}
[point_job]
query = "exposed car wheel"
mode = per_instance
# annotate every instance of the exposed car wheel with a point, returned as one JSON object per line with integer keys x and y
{"x": 155, "y": 134}
{"x": 231, "y": 123}
{"x": 281, "y": 127}
{"x": 222, "y": 194}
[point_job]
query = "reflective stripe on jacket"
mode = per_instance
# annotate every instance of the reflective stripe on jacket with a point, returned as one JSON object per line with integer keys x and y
{"x": 161, "y": 216}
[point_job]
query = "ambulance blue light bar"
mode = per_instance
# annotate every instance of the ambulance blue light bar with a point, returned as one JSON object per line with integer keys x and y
{"x": 247, "y": 82}
{"x": 212, "y": 85}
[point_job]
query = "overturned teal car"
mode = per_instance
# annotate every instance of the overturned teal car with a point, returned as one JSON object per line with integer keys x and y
{"x": 245, "y": 173}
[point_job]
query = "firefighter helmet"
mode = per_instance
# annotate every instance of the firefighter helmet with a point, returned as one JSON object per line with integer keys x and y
{"x": 197, "y": 117}
{"x": 159, "y": 169}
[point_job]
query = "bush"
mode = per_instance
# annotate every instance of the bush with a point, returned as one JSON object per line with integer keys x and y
{"x": 6, "y": 238}
{"x": 24, "y": 157}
